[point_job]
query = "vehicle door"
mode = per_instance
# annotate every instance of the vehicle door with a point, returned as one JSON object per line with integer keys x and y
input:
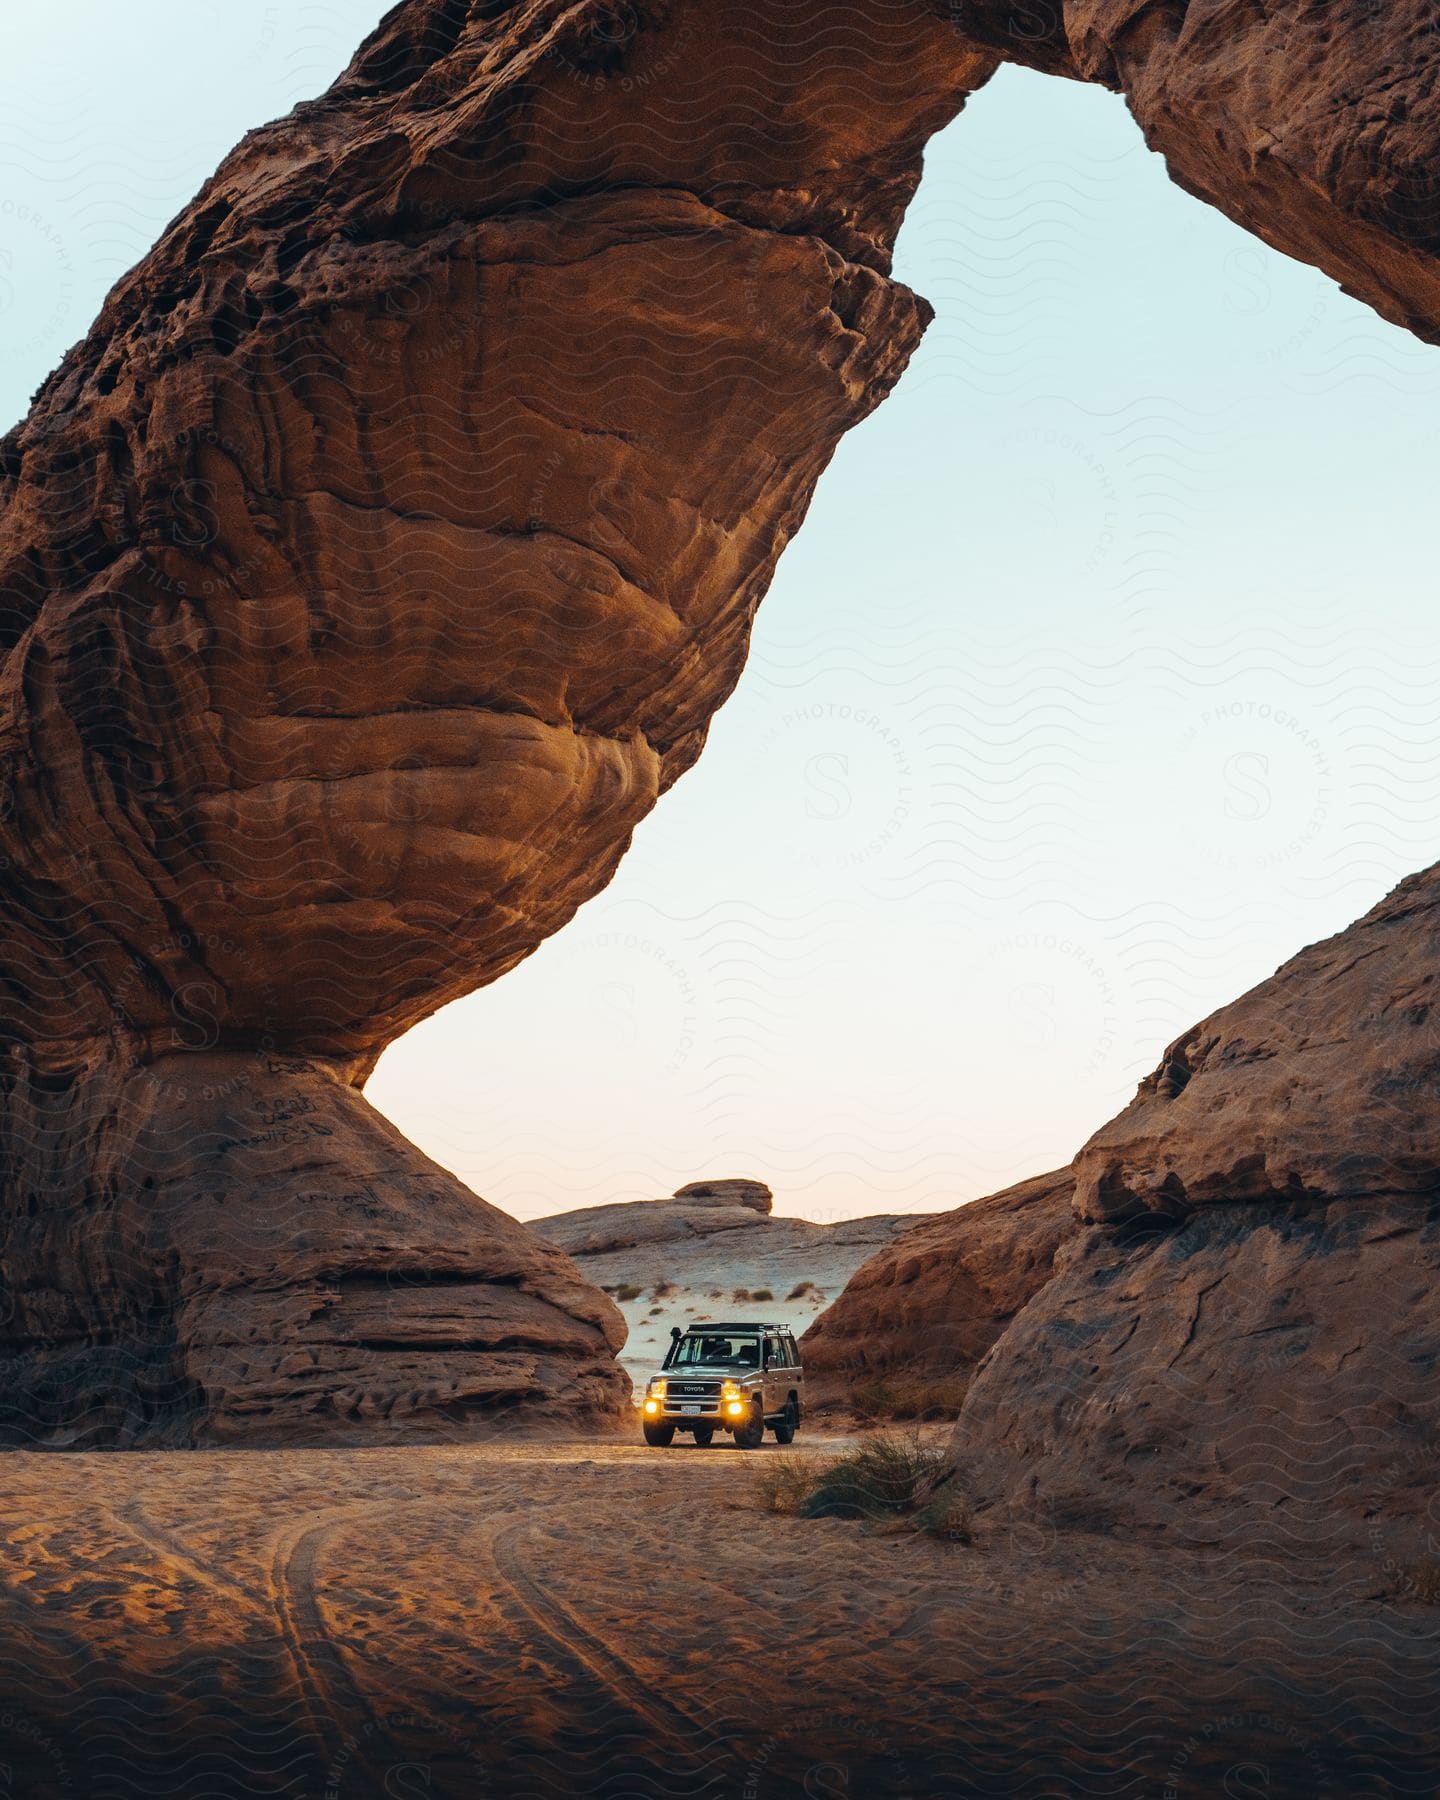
{"x": 776, "y": 1384}
{"x": 795, "y": 1374}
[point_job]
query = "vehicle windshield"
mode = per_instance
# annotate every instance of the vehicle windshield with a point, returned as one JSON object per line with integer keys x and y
{"x": 736, "y": 1350}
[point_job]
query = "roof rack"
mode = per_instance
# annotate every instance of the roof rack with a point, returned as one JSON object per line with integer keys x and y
{"x": 733, "y": 1325}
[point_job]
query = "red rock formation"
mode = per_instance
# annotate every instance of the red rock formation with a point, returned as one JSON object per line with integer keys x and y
{"x": 1245, "y": 1339}
{"x": 927, "y": 1307}
{"x": 387, "y": 545}
{"x": 365, "y": 574}
{"x": 1312, "y": 124}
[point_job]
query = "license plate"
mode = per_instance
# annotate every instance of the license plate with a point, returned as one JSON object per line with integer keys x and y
{"x": 690, "y": 1409}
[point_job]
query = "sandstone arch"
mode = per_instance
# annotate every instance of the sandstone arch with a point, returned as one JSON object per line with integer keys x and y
{"x": 382, "y": 554}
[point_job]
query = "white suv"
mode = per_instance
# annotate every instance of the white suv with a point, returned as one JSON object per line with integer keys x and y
{"x": 738, "y": 1378}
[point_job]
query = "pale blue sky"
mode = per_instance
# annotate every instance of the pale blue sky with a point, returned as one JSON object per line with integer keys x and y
{"x": 1099, "y": 680}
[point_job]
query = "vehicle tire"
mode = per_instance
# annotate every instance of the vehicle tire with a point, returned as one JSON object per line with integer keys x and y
{"x": 704, "y": 1435}
{"x": 789, "y": 1425}
{"x": 659, "y": 1435}
{"x": 751, "y": 1435}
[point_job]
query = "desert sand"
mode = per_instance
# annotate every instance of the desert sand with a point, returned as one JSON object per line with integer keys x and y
{"x": 592, "y": 1617}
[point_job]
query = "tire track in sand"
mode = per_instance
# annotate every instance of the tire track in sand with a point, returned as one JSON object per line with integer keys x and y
{"x": 309, "y": 1645}
{"x": 595, "y": 1662}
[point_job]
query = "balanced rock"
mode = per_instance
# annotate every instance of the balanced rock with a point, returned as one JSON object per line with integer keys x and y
{"x": 365, "y": 574}
{"x": 738, "y": 1192}
{"x": 386, "y": 547}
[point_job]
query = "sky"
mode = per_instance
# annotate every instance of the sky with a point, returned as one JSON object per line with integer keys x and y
{"x": 1099, "y": 680}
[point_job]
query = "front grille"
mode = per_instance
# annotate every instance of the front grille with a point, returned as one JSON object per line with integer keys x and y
{"x": 692, "y": 1390}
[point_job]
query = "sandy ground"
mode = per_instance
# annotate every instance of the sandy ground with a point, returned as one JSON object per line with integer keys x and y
{"x": 602, "y": 1619}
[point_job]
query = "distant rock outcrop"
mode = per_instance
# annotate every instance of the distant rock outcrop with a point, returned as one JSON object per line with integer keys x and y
{"x": 709, "y": 1250}
{"x": 928, "y": 1306}
{"x": 753, "y": 1194}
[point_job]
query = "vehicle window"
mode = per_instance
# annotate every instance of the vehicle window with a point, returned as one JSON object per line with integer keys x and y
{"x": 792, "y": 1350}
{"x": 725, "y": 1348}
{"x": 774, "y": 1355}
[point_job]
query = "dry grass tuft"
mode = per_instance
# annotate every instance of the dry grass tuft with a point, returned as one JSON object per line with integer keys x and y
{"x": 893, "y": 1481}
{"x": 880, "y": 1478}
{"x": 783, "y": 1482}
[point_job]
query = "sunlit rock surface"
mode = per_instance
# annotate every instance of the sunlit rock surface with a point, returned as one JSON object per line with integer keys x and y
{"x": 1245, "y": 1335}
{"x": 923, "y": 1311}
{"x": 385, "y": 550}
{"x": 365, "y": 575}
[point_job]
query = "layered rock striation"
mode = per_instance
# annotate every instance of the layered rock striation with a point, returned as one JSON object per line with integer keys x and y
{"x": 365, "y": 574}
{"x": 925, "y": 1309}
{"x": 384, "y": 551}
{"x": 1243, "y": 1338}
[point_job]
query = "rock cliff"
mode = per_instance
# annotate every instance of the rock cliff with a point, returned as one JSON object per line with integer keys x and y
{"x": 1241, "y": 1341}
{"x": 383, "y": 552}
{"x": 365, "y": 574}
{"x": 927, "y": 1307}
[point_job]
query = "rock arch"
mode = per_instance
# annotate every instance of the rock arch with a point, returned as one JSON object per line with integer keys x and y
{"x": 381, "y": 555}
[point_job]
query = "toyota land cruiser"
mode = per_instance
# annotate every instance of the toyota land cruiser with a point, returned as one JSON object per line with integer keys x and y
{"x": 738, "y": 1378}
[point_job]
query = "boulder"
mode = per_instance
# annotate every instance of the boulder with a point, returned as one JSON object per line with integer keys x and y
{"x": 738, "y": 1192}
{"x": 926, "y": 1308}
{"x": 1242, "y": 1341}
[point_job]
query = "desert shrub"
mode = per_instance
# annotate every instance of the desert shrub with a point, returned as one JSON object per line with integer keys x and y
{"x": 929, "y": 1400}
{"x": 661, "y": 1289}
{"x": 881, "y": 1478}
{"x": 872, "y": 1400}
{"x": 948, "y": 1514}
{"x": 626, "y": 1291}
{"x": 895, "y": 1481}
{"x": 762, "y": 1294}
{"x": 741, "y": 1294}
{"x": 782, "y": 1483}
{"x": 655, "y": 1312}
{"x": 800, "y": 1290}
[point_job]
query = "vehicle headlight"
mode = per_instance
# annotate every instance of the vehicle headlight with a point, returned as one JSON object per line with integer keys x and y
{"x": 657, "y": 1386}
{"x": 730, "y": 1391}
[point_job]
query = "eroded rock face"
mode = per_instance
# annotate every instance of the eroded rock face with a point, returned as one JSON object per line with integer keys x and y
{"x": 221, "y": 1247}
{"x": 1243, "y": 1342}
{"x": 1313, "y": 125}
{"x": 365, "y": 575}
{"x": 1321, "y": 1084}
{"x": 388, "y": 544}
{"x": 926, "y": 1308}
